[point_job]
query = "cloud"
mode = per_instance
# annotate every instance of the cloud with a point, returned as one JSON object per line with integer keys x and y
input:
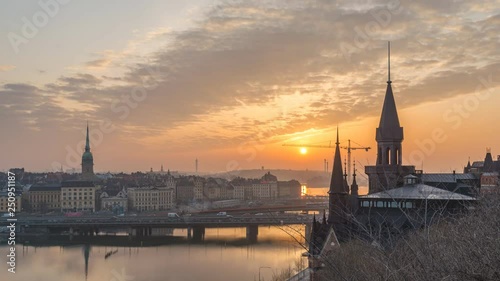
{"x": 99, "y": 63}
{"x": 265, "y": 69}
{"x": 6, "y": 67}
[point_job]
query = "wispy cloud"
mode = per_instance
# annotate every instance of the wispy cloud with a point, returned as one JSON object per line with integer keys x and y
{"x": 280, "y": 67}
{"x": 6, "y": 67}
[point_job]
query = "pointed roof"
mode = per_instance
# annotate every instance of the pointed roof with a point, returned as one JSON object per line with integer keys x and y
{"x": 337, "y": 181}
{"x": 346, "y": 184}
{"x": 389, "y": 128}
{"x": 354, "y": 186}
{"x": 87, "y": 142}
{"x": 488, "y": 161}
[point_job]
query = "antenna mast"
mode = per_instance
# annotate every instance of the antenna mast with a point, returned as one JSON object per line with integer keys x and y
{"x": 389, "y": 61}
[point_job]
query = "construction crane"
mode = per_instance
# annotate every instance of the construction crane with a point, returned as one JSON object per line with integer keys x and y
{"x": 348, "y": 148}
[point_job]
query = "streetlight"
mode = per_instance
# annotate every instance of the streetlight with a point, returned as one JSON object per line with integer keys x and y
{"x": 262, "y": 268}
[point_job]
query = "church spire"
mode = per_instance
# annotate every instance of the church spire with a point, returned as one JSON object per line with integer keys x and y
{"x": 337, "y": 183}
{"x": 354, "y": 186}
{"x": 338, "y": 189}
{"x": 389, "y": 134}
{"x": 87, "y": 142}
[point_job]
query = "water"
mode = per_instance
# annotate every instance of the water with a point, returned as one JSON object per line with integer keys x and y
{"x": 323, "y": 191}
{"x": 224, "y": 255}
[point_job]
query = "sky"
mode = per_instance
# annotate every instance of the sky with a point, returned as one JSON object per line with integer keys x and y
{"x": 229, "y": 82}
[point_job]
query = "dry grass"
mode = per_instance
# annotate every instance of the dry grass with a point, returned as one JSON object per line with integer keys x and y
{"x": 464, "y": 248}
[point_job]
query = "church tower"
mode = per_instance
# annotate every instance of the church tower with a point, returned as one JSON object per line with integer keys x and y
{"x": 87, "y": 160}
{"x": 388, "y": 172}
{"x": 389, "y": 134}
{"x": 338, "y": 195}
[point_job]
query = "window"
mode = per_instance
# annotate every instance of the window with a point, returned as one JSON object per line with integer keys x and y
{"x": 380, "y": 204}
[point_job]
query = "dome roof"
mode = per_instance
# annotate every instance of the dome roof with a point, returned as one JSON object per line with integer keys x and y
{"x": 87, "y": 155}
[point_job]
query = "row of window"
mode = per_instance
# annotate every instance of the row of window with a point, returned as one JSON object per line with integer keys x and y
{"x": 44, "y": 196}
{"x": 151, "y": 201}
{"x": 80, "y": 189}
{"x": 75, "y": 198}
{"x": 86, "y": 203}
{"x": 79, "y": 193}
{"x": 387, "y": 204}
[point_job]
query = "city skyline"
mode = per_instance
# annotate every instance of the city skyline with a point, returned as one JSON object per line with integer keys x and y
{"x": 215, "y": 85}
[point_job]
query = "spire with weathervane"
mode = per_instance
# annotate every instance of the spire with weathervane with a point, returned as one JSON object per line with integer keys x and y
{"x": 346, "y": 184}
{"x": 87, "y": 159}
{"x": 389, "y": 134}
{"x": 338, "y": 189}
{"x": 354, "y": 185}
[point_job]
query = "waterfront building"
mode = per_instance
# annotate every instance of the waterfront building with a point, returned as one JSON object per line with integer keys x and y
{"x": 198, "y": 189}
{"x": 78, "y": 196}
{"x": 44, "y": 198}
{"x": 289, "y": 189}
{"x": 114, "y": 201}
{"x": 4, "y": 202}
{"x": 184, "y": 190}
{"x": 150, "y": 198}
{"x": 266, "y": 187}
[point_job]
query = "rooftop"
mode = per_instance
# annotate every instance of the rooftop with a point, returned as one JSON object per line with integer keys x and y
{"x": 45, "y": 187}
{"x": 451, "y": 178}
{"x": 77, "y": 184}
{"x": 417, "y": 191}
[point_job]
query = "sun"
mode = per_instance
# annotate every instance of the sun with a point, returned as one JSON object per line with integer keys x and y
{"x": 303, "y": 150}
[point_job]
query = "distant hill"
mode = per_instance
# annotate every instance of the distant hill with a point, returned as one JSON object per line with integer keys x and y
{"x": 312, "y": 178}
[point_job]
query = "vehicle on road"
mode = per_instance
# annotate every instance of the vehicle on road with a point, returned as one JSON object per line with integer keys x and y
{"x": 259, "y": 214}
{"x": 73, "y": 214}
{"x": 222, "y": 213}
{"x": 172, "y": 215}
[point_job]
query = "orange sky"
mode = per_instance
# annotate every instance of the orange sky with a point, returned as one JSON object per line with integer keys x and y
{"x": 230, "y": 82}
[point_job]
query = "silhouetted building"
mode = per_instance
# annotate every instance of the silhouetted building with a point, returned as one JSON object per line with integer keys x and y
{"x": 87, "y": 160}
{"x": 487, "y": 172}
{"x": 389, "y": 170}
{"x": 399, "y": 197}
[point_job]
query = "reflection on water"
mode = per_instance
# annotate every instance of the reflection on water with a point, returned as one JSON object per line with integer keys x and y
{"x": 218, "y": 258}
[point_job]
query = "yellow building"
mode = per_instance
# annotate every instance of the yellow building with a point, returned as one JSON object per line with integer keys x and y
{"x": 44, "y": 198}
{"x": 4, "y": 203}
{"x": 150, "y": 198}
{"x": 78, "y": 196}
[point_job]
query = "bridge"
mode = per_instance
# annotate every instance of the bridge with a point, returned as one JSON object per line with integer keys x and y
{"x": 316, "y": 206}
{"x": 143, "y": 225}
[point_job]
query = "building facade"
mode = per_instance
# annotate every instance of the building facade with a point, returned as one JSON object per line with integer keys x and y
{"x": 44, "y": 198}
{"x": 150, "y": 198}
{"x": 198, "y": 189}
{"x": 78, "y": 196}
{"x": 4, "y": 202}
{"x": 116, "y": 202}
